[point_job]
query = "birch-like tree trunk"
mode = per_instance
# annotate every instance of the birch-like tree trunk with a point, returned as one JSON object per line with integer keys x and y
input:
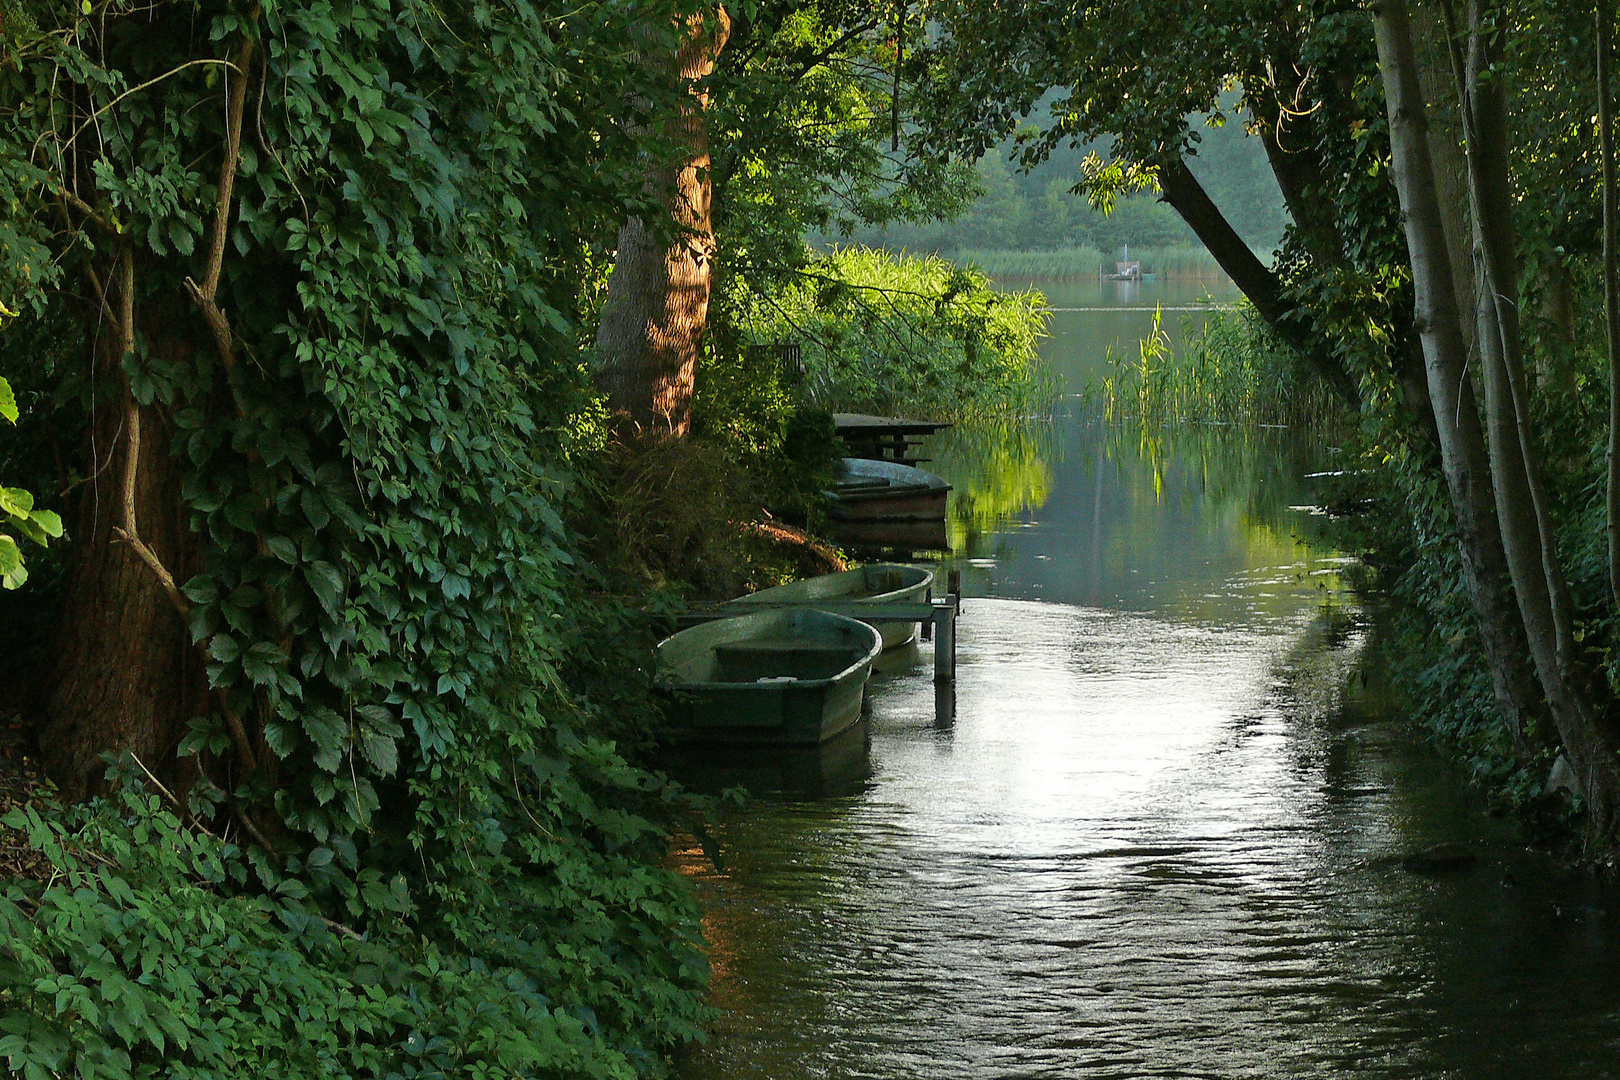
{"x": 658, "y": 295}
{"x": 1475, "y": 493}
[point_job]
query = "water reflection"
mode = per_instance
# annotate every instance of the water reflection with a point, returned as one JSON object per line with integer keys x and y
{"x": 1163, "y": 835}
{"x": 1147, "y": 848}
{"x": 1071, "y": 510}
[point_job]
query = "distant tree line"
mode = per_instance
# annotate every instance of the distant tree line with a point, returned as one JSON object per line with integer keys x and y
{"x": 1040, "y": 209}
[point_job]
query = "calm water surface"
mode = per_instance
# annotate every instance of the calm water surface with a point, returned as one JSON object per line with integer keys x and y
{"x": 1162, "y": 836}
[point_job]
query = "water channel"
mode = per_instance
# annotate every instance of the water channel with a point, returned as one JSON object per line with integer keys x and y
{"x": 1163, "y": 835}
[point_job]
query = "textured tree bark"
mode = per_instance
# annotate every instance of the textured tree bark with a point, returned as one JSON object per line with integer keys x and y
{"x": 1183, "y": 192}
{"x": 126, "y": 675}
{"x": 658, "y": 294}
{"x": 1443, "y": 112}
{"x": 1467, "y": 466}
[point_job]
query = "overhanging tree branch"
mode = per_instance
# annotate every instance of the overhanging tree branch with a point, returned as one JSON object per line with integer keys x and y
{"x": 1183, "y": 192}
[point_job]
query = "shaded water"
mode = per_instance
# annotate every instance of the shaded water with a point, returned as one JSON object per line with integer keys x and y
{"x": 1163, "y": 834}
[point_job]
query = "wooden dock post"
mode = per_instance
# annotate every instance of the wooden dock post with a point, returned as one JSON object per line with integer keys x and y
{"x": 945, "y": 639}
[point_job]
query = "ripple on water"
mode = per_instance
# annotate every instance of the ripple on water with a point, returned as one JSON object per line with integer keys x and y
{"x": 1142, "y": 849}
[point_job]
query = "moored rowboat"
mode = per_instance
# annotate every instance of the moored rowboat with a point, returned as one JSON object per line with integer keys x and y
{"x": 869, "y": 490}
{"x": 793, "y": 676}
{"x": 878, "y": 583}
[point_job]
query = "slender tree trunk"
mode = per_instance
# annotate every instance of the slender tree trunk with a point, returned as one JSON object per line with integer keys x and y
{"x": 1183, "y": 192}
{"x": 1611, "y": 282}
{"x": 1290, "y": 142}
{"x": 1491, "y": 203}
{"x": 1462, "y": 444}
{"x": 658, "y": 295}
{"x": 126, "y": 674}
{"x": 1438, "y": 85}
{"x": 1586, "y": 739}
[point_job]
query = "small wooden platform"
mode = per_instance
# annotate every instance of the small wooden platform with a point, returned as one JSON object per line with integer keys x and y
{"x": 884, "y": 438}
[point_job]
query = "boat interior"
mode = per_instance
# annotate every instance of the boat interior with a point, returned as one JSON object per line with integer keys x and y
{"x": 760, "y": 661}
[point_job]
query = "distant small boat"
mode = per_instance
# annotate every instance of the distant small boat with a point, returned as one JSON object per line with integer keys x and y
{"x": 871, "y": 490}
{"x": 878, "y": 583}
{"x": 793, "y": 676}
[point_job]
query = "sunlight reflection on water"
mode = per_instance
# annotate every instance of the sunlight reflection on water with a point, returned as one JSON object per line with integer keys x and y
{"x": 1162, "y": 836}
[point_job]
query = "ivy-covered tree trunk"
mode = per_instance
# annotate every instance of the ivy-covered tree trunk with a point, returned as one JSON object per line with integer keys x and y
{"x": 126, "y": 675}
{"x": 658, "y": 295}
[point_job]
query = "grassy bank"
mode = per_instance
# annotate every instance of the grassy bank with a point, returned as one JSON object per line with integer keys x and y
{"x": 1184, "y": 263}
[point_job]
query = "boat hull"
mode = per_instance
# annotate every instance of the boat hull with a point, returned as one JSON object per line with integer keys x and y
{"x": 878, "y": 583}
{"x": 885, "y": 491}
{"x": 909, "y": 535}
{"x": 785, "y": 677}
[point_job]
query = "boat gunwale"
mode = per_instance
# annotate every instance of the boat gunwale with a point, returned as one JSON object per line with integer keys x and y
{"x": 763, "y": 595}
{"x": 870, "y": 655}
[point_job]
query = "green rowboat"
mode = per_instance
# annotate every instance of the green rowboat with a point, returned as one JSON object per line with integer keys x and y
{"x": 879, "y": 583}
{"x": 790, "y": 676}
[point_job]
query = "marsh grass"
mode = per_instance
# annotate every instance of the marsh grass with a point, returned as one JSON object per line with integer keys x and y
{"x": 1233, "y": 372}
{"x": 1078, "y": 263}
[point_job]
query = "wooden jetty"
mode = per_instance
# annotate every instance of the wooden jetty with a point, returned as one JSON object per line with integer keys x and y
{"x": 884, "y": 438}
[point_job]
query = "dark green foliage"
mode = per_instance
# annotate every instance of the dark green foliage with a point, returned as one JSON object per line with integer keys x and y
{"x": 749, "y": 402}
{"x": 668, "y": 514}
{"x": 377, "y": 485}
{"x": 147, "y": 954}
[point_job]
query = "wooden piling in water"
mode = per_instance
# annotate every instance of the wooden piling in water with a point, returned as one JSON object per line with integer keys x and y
{"x": 945, "y": 639}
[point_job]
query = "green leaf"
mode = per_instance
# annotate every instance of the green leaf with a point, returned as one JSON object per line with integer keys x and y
{"x": 16, "y": 502}
{"x": 283, "y": 548}
{"x": 381, "y": 751}
{"x": 48, "y": 521}
{"x": 8, "y": 402}
{"x": 324, "y": 578}
{"x": 201, "y": 590}
{"x": 223, "y": 647}
{"x": 12, "y": 574}
{"x": 282, "y": 738}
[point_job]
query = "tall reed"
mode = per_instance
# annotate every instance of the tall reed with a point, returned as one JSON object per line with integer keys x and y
{"x": 1234, "y": 372}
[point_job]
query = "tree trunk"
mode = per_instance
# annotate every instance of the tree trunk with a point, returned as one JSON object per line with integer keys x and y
{"x": 1611, "y": 284}
{"x": 658, "y": 294}
{"x": 1183, "y": 192}
{"x": 1463, "y": 451}
{"x": 1443, "y": 110}
{"x": 1290, "y": 142}
{"x": 126, "y": 674}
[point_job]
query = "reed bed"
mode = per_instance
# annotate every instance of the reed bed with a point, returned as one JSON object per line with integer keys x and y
{"x": 1234, "y": 372}
{"x": 1183, "y": 263}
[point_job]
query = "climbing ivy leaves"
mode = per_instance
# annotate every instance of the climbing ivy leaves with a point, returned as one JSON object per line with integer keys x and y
{"x": 370, "y": 459}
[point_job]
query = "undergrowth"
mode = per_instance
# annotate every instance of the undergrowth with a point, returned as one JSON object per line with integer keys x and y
{"x": 901, "y": 335}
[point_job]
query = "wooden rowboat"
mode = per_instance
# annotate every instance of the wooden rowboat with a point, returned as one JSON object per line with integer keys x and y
{"x": 877, "y": 583}
{"x": 869, "y": 490}
{"x": 789, "y": 676}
